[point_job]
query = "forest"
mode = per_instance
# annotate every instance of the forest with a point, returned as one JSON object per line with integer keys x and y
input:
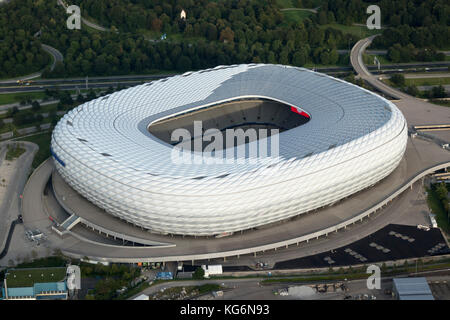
{"x": 214, "y": 33}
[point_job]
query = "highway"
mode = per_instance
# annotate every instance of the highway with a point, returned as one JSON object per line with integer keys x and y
{"x": 416, "y": 111}
{"x": 11, "y": 86}
{"x": 75, "y": 86}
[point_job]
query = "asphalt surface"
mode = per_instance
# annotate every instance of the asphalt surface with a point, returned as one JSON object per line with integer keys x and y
{"x": 35, "y": 216}
{"x": 252, "y": 289}
{"x": 55, "y": 53}
{"x": 419, "y": 154}
{"x": 416, "y": 111}
{"x": 86, "y": 22}
{"x": 393, "y": 242}
{"x": 10, "y": 206}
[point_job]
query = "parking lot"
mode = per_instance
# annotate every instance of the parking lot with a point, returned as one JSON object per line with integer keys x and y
{"x": 390, "y": 243}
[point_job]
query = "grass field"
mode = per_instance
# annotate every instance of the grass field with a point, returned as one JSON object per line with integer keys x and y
{"x": 14, "y": 152}
{"x": 444, "y": 103}
{"x": 43, "y": 141}
{"x": 282, "y": 4}
{"x": 427, "y": 81}
{"x": 27, "y": 277}
{"x": 7, "y": 98}
{"x": 358, "y": 32}
{"x": 296, "y": 15}
{"x": 285, "y": 4}
{"x": 368, "y": 59}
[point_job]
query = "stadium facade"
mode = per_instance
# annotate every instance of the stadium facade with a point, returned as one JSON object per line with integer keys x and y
{"x": 335, "y": 139}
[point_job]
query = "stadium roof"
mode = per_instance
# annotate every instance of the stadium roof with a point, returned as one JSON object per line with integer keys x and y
{"x": 103, "y": 149}
{"x": 343, "y": 116}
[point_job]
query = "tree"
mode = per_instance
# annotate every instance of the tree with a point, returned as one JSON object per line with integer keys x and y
{"x": 211, "y": 32}
{"x": 35, "y": 106}
{"x": 398, "y": 79}
{"x": 199, "y": 274}
{"x": 438, "y": 92}
{"x": 412, "y": 90}
{"x": 226, "y": 35}
{"x": 299, "y": 59}
{"x": 184, "y": 63}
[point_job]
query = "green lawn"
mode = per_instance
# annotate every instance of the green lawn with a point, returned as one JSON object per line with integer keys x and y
{"x": 368, "y": 59}
{"x": 43, "y": 141}
{"x": 27, "y": 277}
{"x": 7, "y": 98}
{"x": 296, "y": 15}
{"x": 282, "y": 4}
{"x": 358, "y": 32}
{"x": 444, "y": 103}
{"x": 427, "y": 81}
{"x": 420, "y": 82}
{"x": 285, "y": 4}
{"x": 14, "y": 152}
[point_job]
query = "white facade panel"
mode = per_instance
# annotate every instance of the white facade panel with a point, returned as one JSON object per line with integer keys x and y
{"x": 104, "y": 151}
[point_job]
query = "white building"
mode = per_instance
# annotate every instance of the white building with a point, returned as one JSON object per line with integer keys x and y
{"x": 211, "y": 270}
{"x": 335, "y": 139}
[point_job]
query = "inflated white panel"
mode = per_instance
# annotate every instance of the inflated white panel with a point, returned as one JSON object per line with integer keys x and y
{"x": 104, "y": 151}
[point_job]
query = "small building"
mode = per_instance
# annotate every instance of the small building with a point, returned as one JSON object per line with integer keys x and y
{"x": 164, "y": 276}
{"x": 142, "y": 297}
{"x": 412, "y": 289}
{"x": 183, "y": 15}
{"x": 35, "y": 284}
{"x": 212, "y": 270}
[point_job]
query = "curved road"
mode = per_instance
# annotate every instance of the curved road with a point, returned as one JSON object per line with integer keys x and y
{"x": 56, "y": 57}
{"x": 55, "y": 53}
{"x": 86, "y": 22}
{"x": 416, "y": 111}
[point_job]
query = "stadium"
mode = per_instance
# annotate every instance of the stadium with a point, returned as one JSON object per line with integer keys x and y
{"x": 334, "y": 139}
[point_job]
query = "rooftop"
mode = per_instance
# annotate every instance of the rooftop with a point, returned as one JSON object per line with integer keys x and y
{"x": 413, "y": 289}
{"x": 20, "y": 278}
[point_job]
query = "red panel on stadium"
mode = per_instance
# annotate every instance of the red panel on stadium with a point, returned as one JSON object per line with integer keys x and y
{"x": 302, "y": 113}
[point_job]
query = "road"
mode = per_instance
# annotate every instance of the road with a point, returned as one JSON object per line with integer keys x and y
{"x": 301, "y": 9}
{"x": 56, "y": 57}
{"x": 55, "y": 53}
{"x": 384, "y": 52}
{"x": 419, "y": 76}
{"x": 251, "y": 289}
{"x": 416, "y": 111}
{"x": 76, "y": 86}
{"x": 85, "y": 21}
{"x": 10, "y": 207}
{"x": 238, "y": 289}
